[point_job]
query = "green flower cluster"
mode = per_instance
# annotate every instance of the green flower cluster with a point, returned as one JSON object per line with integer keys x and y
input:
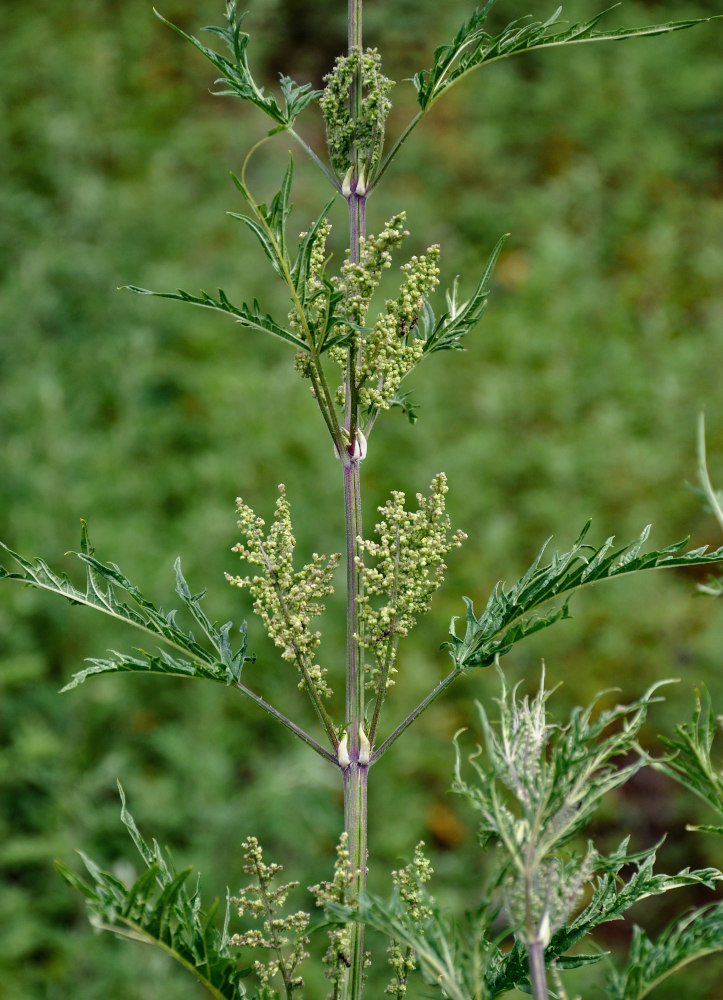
{"x": 409, "y": 568}
{"x": 285, "y": 936}
{"x": 338, "y": 891}
{"x": 315, "y": 303}
{"x": 392, "y": 349}
{"x": 349, "y": 133}
{"x": 359, "y": 281}
{"x": 285, "y": 600}
{"x": 408, "y": 882}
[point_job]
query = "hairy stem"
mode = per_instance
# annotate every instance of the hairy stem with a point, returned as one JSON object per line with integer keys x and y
{"x": 355, "y": 775}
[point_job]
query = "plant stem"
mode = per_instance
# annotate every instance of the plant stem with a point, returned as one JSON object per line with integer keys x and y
{"x": 395, "y": 149}
{"x": 355, "y": 775}
{"x": 538, "y": 979}
{"x": 280, "y": 717}
{"x": 317, "y": 160}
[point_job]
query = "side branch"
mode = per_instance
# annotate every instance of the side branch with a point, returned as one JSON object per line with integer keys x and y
{"x": 288, "y": 724}
{"x": 414, "y": 715}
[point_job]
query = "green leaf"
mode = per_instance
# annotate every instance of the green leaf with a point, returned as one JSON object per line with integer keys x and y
{"x": 510, "y": 614}
{"x": 249, "y": 316}
{"x": 445, "y": 333}
{"x": 157, "y": 909}
{"x": 314, "y": 302}
{"x": 693, "y": 936}
{"x": 690, "y": 763}
{"x": 236, "y": 78}
{"x": 300, "y": 270}
{"x": 406, "y": 405}
{"x": 435, "y": 943}
{"x": 297, "y": 97}
{"x": 269, "y": 226}
{"x": 612, "y": 898}
{"x": 472, "y": 46}
{"x": 104, "y": 584}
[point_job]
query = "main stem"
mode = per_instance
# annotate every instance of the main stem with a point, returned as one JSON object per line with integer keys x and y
{"x": 355, "y": 774}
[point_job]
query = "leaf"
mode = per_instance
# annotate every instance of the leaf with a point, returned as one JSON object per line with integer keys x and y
{"x": 236, "y": 76}
{"x": 297, "y": 97}
{"x": 434, "y": 942}
{"x": 157, "y": 909}
{"x": 405, "y": 404}
{"x": 611, "y": 899}
{"x": 693, "y": 936}
{"x": 104, "y": 584}
{"x": 300, "y": 269}
{"x": 249, "y": 316}
{"x": 691, "y": 764}
{"x": 472, "y": 46}
{"x": 445, "y": 333}
{"x": 510, "y": 614}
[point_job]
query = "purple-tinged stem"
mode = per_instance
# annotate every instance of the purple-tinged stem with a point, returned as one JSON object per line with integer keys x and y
{"x": 280, "y": 717}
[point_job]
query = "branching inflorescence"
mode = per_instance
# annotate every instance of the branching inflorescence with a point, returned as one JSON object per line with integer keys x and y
{"x": 286, "y": 600}
{"x": 409, "y": 567}
{"x": 539, "y": 784}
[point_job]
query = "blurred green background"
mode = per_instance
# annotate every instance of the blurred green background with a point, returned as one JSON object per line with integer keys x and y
{"x": 577, "y": 398}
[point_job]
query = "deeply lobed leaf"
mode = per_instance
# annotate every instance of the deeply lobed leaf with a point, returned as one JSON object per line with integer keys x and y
{"x": 157, "y": 909}
{"x": 509, "y": 614}
{"x": 236, "y": 78}
{"x": 460, "y": 318}
{"x": 695, "y": 935}
{"x": 472, "y": 46}
{"x": 104, "y": 584}
{"x": 249, "y": 316}
{"x": 690, "y": 763}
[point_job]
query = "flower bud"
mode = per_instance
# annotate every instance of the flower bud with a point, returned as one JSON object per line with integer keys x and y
{"x": 361, "y": 184}
{"x": 346, "y": 183}
{"x": 360, "y": 447}
{"x": 342, "y": 752}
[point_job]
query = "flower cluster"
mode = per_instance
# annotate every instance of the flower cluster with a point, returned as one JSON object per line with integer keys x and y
{"x": 315, "y": 300}
{"x": 285, "y": 936}
{"x": 338, "y": 890}
{"x": 285, "y": 600}
{"x": 408, "y": 882}
{"x": 392, "y": 348}
{"x": 347, "y": 132}
{"x": 359, "y": 281}
{"x": 409, "y": 568}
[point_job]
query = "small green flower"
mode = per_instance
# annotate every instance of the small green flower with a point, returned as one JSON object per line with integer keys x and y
{"x": 338, "y": 891}
{"x": 284, "y": 936}
{"x": 285, "y": 600}
{"x": 409, "y": 568}
{"x": 362, "y": 135}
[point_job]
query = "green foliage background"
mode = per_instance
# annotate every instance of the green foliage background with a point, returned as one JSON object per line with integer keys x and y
{"x": 577, "y": 398}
